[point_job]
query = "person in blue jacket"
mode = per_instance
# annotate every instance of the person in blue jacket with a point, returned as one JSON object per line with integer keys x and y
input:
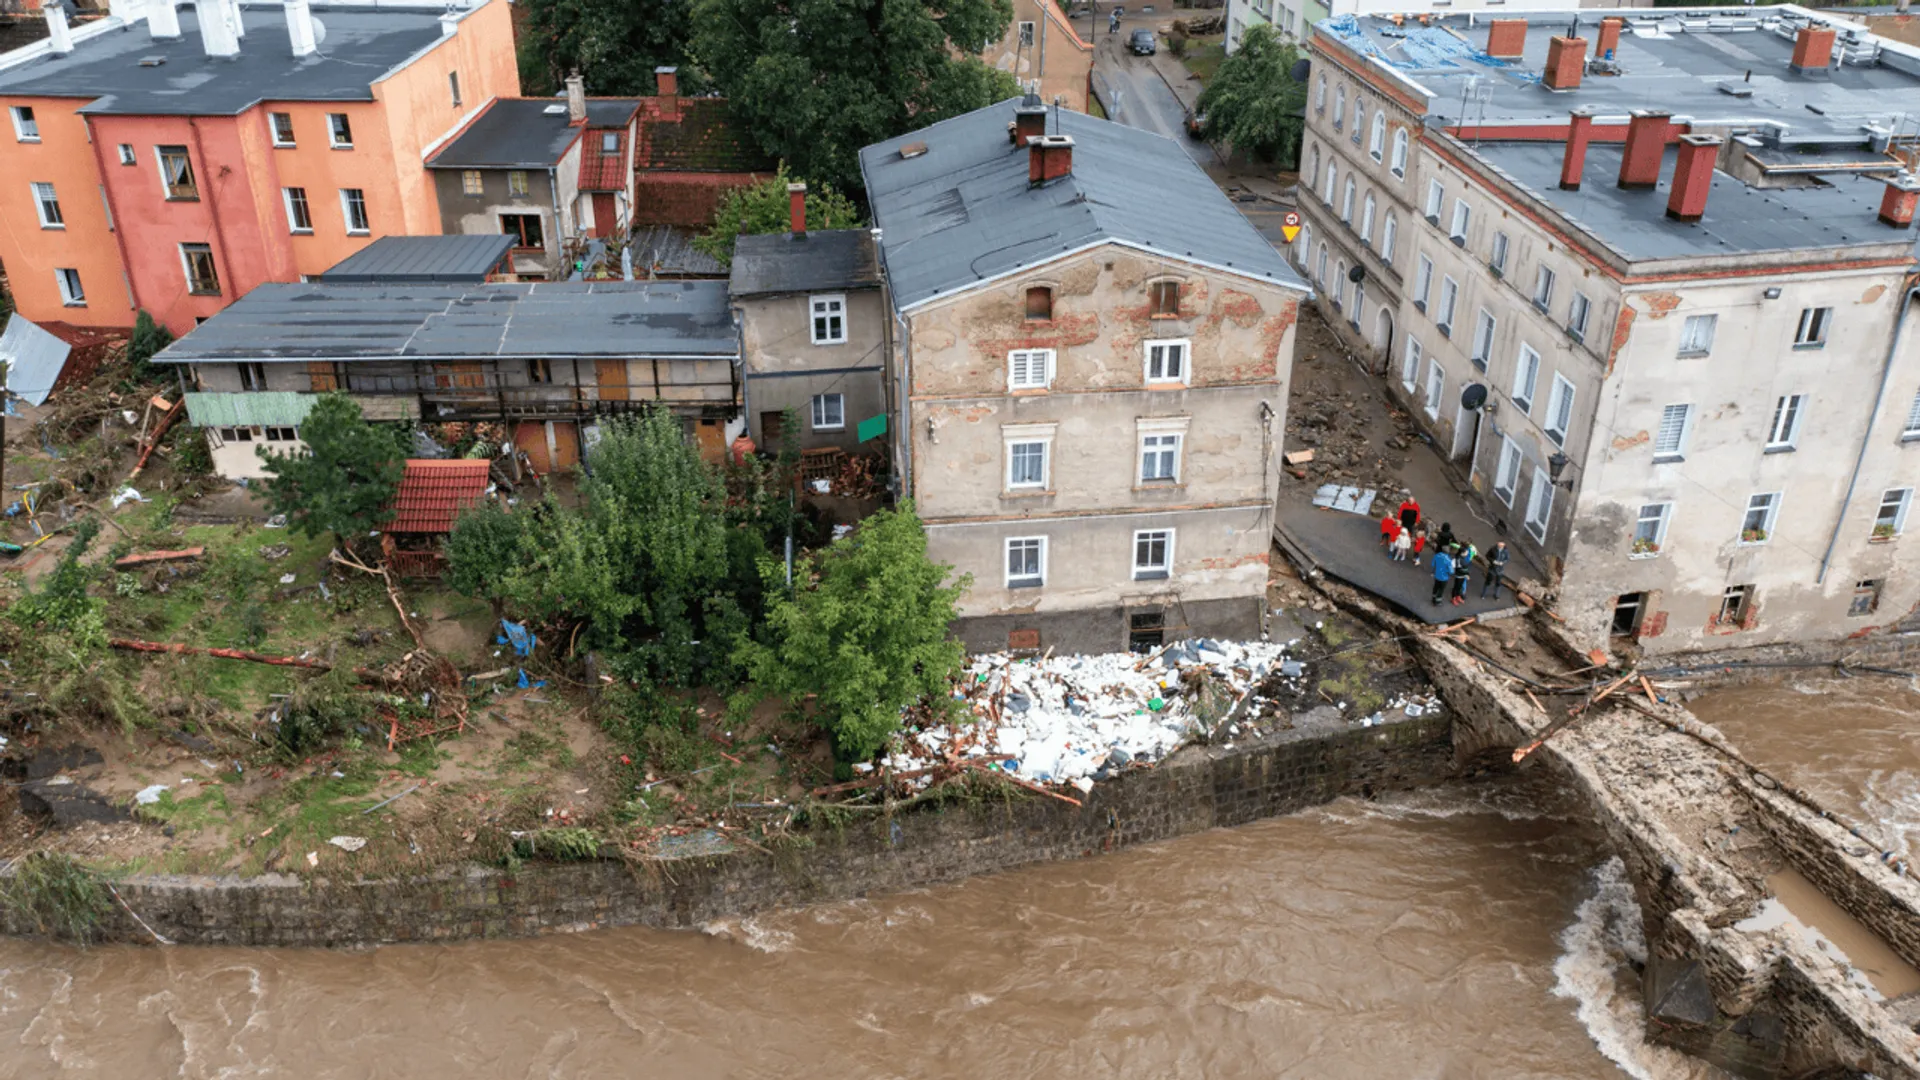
{"x": 1442, "y": 575}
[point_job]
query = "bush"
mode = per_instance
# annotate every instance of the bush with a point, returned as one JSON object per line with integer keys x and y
{"x": 314, "y": 716}
{"x": 148, "y": 338}
{"x": 57, "y": 895}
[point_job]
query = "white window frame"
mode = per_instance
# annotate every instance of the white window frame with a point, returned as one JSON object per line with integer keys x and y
{"x": 1436, "y": 388}
{"x": 365, "y": 228}
{"x": 1368, "y": 208}
{"x": 1018, "y": 435}
{"x": 293, "y": 223}
{"x": 1526, "y": 378}
{"x": 1449, "y": 301}
{"x": 1377, "y": 135}
{"x": 44, "y": 193}
{"x": 1303, "y": 247}
{"x": 1346, "y": 201}
{"x": 1320, "y": 94}
{"x": 1696, "y": 335}
{"x": 1150, "y": 571}
{"x": 1462, "y": 218}
{"x": 1497, "y": 257}
{"x": 1789, "y": 416}
{"x": 1559, "y": 419}
{"x": 1359, "y": 116}
{"x": 1544, "y": 282}
{"x": 1579, "y": 312}
{"x": 1770, "y": 509}
{"x": 1158, "y": 429}
{"x": 1320, "y": 266}
{"x": 273, "y": 131}
{"x": 1815, "y": 324}
{"x": 1423, "y": 282}
{"x": 1389, "y": 232}
{"x": 336, "y": 123}
{"x": 1410, "y": 363}
{"x": 1484, "y": 328}
{"x": 1021, "y": 365}
{"x": 1506, "y": 474}
{"x": 1661, "y": 517}
{"x": 186, "y": 269}
{"x": 1399, "y": 166}
{"x": 1039, "y": 579}
{"x": 26, "y": 125}
{"x": 1026, "y": 34}
{"x": 1912, "y": 429}
{"x": 73, "y": 293}
{"x": 128, "y": 155}
{"x": 827, "y": 307}
{"x": 1900, "y": 498}
{"x": 1677, "y": 451}
{"x": 1333, "y": 176}
{"x": 820, "y": 408}
{"x": 1184, "y": 349}
{"x": 1539, "y": 504}
{"x": 1436, "y": 198}
{"x": 1340, "y": 106}
{"x": 609, "y": 144}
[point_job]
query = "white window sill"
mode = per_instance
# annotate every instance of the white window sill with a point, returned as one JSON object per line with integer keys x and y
{"x": 841, "y": 341}
{"x": 1808, "y": 346}
{"x": 1692, "y": 354}
{"x": 27, "y": 139}
{"x": 1668, "y": 459}
{"x": 286, "y": 146}
{"x": 829, "y": 430}
{"x": 1644, "y": 555}
{"x": 54, "y": 228}
{"x": 359, "y": 232}
{"x": 1750, "y": 543}
{"x": 1151, "y": 575}
{"x": 1433, "y": 412}
{"x": 1778, "y": 450}
{"x": 1026, "y": 583}
{"x": 300, "y": 232}
{"x": 341, "y": 146}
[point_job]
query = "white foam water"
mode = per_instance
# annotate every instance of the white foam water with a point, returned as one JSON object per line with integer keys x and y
{"x": 1592, "y": 970}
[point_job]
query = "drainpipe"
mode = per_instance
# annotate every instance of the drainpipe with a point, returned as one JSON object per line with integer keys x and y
{"x": 1879, "y": 396}
{"x": 559, "y": 224}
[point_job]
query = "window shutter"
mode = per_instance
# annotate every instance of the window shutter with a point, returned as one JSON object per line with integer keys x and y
{"x": 1673, "y": 424}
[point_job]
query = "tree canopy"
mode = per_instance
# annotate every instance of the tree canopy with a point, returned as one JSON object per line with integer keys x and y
{"x": 868, "y": 635}
{"x": 485, "y": 542}
{"x": 1253, "y": 102}
{"x": 614, "y": 44}
{"x": 815, "y": 80}
{"x": 764, "y": 208}
{"x": 345, "y": 483}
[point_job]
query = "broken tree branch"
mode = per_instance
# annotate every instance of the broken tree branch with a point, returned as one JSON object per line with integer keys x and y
{"x": 132, "y": 645}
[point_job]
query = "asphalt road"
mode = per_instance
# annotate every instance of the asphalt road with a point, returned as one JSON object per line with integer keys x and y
{"x": 1135, "y": 93}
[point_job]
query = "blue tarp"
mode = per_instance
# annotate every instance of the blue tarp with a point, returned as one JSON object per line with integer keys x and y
{"x": 518, "y": 636}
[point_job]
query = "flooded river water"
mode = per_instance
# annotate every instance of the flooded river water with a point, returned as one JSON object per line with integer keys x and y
{"x": 1459, "y": 933}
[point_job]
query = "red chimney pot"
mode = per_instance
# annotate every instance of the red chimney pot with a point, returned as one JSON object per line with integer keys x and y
{"x": 1693, "y": 176}
{"x": 1566, "y": 60}
{"x": 1813, "y": 50}
{"x": 1506, "y": 38}
{"x": 1647, "y": 135}
{"x": 1050, "y": 157}
{"x": 1897, "y": 203}
{"x": 1579, "y": 134}
{"x": 797, "y": 208}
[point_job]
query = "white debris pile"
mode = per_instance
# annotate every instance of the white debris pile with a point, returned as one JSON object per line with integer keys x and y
{"x": 1077, "y": 719}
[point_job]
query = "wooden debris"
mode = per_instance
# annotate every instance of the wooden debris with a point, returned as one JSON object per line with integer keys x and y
{"x": 1647, "y": 685}
{"x": 225, "y": 654}
{"x": 141, "y": 558}
{"x": 1299, "y": 457}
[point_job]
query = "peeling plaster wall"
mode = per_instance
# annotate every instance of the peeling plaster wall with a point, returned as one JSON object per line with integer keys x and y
{"x": 1229, "y": 412}
{"x": 462, "y": 214}
{"x": 785, "y": 369}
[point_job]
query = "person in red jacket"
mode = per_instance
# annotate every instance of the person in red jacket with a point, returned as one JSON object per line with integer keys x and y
{"x": 1409, "y": 512}
{"x": 1389, "y": 531}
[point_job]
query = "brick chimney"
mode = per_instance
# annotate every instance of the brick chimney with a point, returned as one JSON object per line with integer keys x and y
{"x": 1646, "y": 145}
{"x": 163, "y": 20}
{"x": 797, "y": 208}
{"x": 59, "y": 36}
{"x": 1579, "y": 134}
{"x": 666, "y": 79}
{"x": 1049, "y": 157}
{"x": 1693, "y": 176}
{"x": 576, "y": 99}
{"x": 1506, "y": 38}
{"x": 1896, "y": 205}
{"x": 1029, "y": 120}
{"x": 1813, "y": 50}
{"x": 1609, "y": 42}
{"x": 1566, "y": 60}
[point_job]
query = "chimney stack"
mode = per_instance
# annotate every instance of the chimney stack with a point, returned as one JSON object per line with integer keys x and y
{"x": 1609, "y": 42}
{"x": 216, "y": 31}
{"x": 1029, "y": 118}
{"x": 300, "y": 27}
{"x": 235, "y": 20}
{"x": 1693, "y": 176}
{"x": 1813, "y": 50}
{"x": 666, "y": 79}
{"x": 1049, "y": 157}
{"x": 1896, "y": 205}
{"x": 1566, "y": 60}
{"x": 576, "y": 99}
{"x": 797, "y": 209}
{"x": 163, "y": 20}
{"x": 59, "y": 36}
{"x": 1506, "y": 38}
{"x": 1646, "y": 144}
{"x": 1579, "y": 134}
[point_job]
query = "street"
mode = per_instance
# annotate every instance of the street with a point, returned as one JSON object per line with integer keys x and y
{"x": 1134, "y": 90}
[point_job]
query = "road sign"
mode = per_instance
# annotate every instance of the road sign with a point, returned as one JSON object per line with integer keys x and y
{"x": 1290, "y": 225}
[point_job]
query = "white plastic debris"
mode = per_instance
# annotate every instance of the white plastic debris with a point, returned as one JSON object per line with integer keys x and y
{"x": 821, "y": 487}
{"x": 150, "y": 795}
{"x": 349, "y": 843}
{"x": 287, "y": 579}
{"x": 126, "y": 495}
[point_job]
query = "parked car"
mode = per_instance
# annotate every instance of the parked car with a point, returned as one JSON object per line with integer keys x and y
{"x": 1141, "y": 43}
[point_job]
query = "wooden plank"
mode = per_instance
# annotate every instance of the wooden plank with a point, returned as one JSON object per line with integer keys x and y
{"x": 141, "y": 558}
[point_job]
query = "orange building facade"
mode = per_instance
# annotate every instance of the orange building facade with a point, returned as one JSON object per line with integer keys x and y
{"x": 191, "y": 184}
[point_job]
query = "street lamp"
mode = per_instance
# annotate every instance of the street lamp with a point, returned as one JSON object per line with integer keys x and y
{"x": 1557, "y": 464}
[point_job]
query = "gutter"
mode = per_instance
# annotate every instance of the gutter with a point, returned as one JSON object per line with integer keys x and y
{"x": 1873, "y": 415}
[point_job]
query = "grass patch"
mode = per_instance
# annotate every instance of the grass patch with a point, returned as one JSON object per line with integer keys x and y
{"x": 1204, "y": 57}
{"x": 207, "y": 808}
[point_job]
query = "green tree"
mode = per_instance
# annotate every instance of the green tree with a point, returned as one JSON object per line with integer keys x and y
{"x": 815, "y": 80}
{"x": 614, "y": 44}
{"x": 345, "y": 483}
{"x": 1253, "y": 102}
{"x": 148, "y": 338}
{"x": 765, "y": 208}
{"x": 867, "y": 636}
{"x": 486, "y": 541}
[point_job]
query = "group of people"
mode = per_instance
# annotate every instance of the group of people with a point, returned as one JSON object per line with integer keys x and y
{"x": 1404, "y": 533}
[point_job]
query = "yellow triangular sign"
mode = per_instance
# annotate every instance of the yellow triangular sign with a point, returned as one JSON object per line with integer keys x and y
{"x": 1290, "y": 225}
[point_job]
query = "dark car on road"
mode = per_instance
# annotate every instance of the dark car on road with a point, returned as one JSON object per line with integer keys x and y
{"x": 1141, "y": 43}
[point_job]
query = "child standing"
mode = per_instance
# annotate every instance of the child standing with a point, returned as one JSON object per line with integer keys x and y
{"x": 1420, "y": 542}
{"x": 1389, "y": 532}
{"x": 1402, "y": 543}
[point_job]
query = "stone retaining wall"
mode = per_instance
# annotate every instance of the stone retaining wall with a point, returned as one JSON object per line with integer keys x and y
{"x": 1323, "y": 757}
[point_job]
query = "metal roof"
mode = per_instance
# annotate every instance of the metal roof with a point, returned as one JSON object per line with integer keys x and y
{"x": 261, "y": 408}
{"x": 32, "y": 360}
{"x": 320, "y": 321}
{"x": 111, "y": 68}
{"x": 443, "y": 259}
{"x": 527, "y": 133}
{"x": 962, "y": 212}
{"x": 814, "y": 262}
{"x": 668, "y": 250}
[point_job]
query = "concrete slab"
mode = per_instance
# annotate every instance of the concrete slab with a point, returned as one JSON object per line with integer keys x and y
{"x": 1347, "y": 546}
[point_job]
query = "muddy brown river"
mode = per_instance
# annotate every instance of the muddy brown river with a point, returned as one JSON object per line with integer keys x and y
{"x": 1464, "y": 932}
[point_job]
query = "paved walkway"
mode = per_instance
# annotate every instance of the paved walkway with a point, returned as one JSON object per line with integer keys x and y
{"x": 1347, "y": 546}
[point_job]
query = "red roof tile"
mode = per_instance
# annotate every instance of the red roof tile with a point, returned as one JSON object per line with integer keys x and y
{"x": 432, "y": 493}
{"x": 694, "y": 135}
{"x": 599, "y": 170}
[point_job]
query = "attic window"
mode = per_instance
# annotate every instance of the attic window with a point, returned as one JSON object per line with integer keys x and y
{"x": 913, "y": 150}
{"x": 1039, "y": 304}
{"x": 555, "y": 110}
{"x": 1166, "y": 299}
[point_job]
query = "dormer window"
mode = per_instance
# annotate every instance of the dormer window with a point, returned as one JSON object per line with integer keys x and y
{"x": 1166, "y": 299}
{"x": 1039, "y": 304}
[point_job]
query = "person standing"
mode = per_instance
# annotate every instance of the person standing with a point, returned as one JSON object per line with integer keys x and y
{"x": 1402, "y": 543}
{"x": 1462, "y": 566}
{"x": 1420, "y": 538}
{"x": 1409, "y": 511}
{"x": 1445, "y": 539}
{"x": 1389, "y": 532}
{"x": 1496, "y": 565}
{"x": 1442, "y": 574}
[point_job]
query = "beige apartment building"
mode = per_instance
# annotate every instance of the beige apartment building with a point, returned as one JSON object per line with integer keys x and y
{"x": 1685, "y": 325}
{"x": 1088, "y": 395}
{"x": 1043, "y": 47}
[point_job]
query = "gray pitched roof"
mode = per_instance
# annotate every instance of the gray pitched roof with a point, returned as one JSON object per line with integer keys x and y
{"x": 817, "y": 262}
{"x": 444, "y": 259}
{"x": 962, "y": 212}
{"x": 298, "y": 322}
{"x": 362, "y": 44}
{"x": 511, "y": 133}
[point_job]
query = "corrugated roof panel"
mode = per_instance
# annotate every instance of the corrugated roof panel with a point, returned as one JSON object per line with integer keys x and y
{"x": 33, "y": 359}
{"x": 266, "y": 408}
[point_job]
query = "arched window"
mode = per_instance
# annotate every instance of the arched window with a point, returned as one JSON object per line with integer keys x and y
{"x": 1366, "y": 220}
{"x": 1346, "y": 202}
{"x": 1400, "y": 152}
{"x": 1359, "y": 114}
{"x": 1340, "y": 283}
{"x": 1320, "y": 95}
{"x": 1320, "y": 267}
{"x": 1313, "y": 165}
{"x": 1388, "y": 233}
{"x": 1326, "y": 194}
{"x": 1339, "y": 106}
{"x": 1303, "y": 248}
{"x": 1377, "y": 137}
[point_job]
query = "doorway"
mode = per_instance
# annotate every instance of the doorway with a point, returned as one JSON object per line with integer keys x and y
{"x": 606, "y": 217}
{"x": 1146, "y": 631}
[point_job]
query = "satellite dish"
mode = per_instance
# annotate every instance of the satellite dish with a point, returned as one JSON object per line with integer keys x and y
{"x": 1357, "y": 274}
{"x": 1300, "y": 70}
{"x": 319, "y": 31}
{"x": 1474, "y": 396}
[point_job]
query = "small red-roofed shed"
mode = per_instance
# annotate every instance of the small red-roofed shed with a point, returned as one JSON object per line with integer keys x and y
{"x": 431, "y": 496}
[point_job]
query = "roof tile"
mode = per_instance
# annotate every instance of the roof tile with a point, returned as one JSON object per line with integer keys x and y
{"x": 432, "y": 494}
